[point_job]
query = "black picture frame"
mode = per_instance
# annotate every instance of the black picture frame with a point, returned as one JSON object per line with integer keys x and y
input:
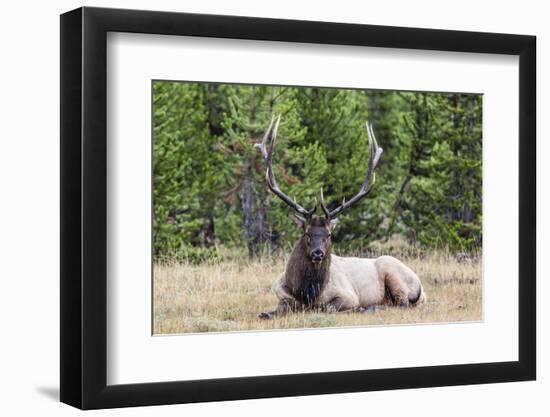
{"x": 84, "y": 207}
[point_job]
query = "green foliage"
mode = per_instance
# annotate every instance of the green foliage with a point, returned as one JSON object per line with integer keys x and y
{"x": 441, "y": 196}
{"x": 209, "y": 179}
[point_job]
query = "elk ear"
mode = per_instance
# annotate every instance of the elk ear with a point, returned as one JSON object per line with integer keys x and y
{"x": 300, "y": 221}
{"x": 333, "y": 223}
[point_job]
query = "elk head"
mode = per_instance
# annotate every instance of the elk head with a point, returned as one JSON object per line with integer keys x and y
{"x": 316, "y": 237}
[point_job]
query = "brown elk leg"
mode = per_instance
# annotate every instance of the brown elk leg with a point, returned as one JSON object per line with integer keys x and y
{"x": 282, "y": 308}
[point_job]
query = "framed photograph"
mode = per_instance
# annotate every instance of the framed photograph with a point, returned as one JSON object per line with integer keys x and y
{"x": 256, "y": 208}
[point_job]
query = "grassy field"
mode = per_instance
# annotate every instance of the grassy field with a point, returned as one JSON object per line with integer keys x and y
{"x": 227, "y": 295}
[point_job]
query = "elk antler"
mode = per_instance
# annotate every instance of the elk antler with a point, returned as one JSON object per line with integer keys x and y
{"x": 267, "y": 147}
{"x": 374, "y": 156}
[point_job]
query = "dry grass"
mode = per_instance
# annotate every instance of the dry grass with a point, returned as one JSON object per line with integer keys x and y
{"x": 228, "y": 295}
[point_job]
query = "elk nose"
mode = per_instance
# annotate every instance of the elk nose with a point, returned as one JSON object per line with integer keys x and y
{"x": 317, "y": 254}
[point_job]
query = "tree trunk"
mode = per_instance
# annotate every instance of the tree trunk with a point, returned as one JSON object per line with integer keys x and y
{"x": 254, "y": 217}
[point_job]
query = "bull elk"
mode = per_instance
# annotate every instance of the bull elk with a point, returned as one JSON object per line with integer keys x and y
{"x": 315, "y": 278}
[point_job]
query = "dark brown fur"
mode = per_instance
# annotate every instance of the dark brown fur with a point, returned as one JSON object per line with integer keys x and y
{"x": 306, "y": 280}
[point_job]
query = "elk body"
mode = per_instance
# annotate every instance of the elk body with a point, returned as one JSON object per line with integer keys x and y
{"x": 315, "y": 278}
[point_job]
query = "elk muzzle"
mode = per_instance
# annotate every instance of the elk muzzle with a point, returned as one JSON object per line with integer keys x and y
{"x": 317, "y": 255}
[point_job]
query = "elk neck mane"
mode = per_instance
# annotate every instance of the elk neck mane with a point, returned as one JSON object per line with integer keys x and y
{"x": 305, "y": 279}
